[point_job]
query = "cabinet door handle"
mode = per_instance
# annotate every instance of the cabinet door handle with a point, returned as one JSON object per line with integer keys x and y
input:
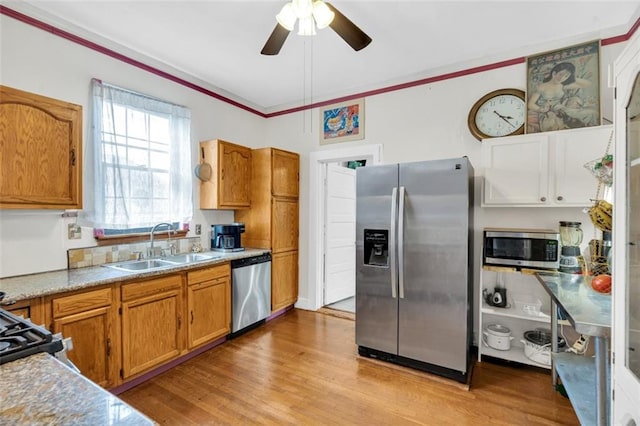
{"x": 73, "y": 157}
{"x": 560, "y": 198}
{"x": 108, "y": 347}
{"x": 543, "y": 199}
{"x": 179, "y": 322}
{"x": 191, "y": 317}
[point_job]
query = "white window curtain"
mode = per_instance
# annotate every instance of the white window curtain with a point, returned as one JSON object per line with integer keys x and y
{"x": 142, "y": 160}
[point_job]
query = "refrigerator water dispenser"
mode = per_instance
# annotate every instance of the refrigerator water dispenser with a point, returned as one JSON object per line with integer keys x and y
{"x": 376, "y": 247}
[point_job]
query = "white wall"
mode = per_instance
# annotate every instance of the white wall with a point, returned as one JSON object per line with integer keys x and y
{"x": 419, "y": 123}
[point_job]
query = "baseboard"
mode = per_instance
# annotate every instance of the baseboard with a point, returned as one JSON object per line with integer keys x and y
{"x": 305, "y": 303}
{"x": 339, "y": 314}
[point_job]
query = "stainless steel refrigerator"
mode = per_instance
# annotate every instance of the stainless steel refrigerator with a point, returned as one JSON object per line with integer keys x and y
{"x": 414, "y": 280}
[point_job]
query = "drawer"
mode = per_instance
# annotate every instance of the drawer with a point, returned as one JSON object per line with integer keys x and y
{"x": 139, "y": 289}
{"x": 207, "y": 274}
{"x": 81, "y": 302}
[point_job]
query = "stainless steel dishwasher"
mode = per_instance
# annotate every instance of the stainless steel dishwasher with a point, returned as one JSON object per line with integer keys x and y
{"x": 250, "y": 292}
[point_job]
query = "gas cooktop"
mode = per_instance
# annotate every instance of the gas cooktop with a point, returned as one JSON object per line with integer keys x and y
{"x": 20, "y": 338}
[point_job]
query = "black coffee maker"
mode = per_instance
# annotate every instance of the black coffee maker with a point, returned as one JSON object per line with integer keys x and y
{"x": 226, "y": 237}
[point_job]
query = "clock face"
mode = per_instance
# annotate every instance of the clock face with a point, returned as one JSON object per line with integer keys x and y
{"x": 500, "y": 115}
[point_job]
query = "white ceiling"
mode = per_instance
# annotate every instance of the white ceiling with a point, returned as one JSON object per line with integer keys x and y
{"x": 219, "y": 42}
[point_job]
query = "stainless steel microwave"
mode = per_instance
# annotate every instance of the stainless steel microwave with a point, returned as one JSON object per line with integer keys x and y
{"x": 529, "y": 248}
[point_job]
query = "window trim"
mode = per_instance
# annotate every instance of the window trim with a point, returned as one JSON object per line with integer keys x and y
{"x": 109, "y": 240}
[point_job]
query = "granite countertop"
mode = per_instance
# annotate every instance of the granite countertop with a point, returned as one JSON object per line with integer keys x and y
{"x": 40, "y": 390}
{"x": 46, "y": 283}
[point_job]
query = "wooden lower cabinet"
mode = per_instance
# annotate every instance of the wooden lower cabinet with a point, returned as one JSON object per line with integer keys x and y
{"x": 30, "y": 308}
{"x": 90, "y": 320}
{"x": 123, "y": 330}
{"x": 284, "y": 279}
{"x": 151, "y": 323}
{"x": 208, "y": 305}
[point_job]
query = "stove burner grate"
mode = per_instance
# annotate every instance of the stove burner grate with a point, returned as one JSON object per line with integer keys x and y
{"x": 20, "y": 338}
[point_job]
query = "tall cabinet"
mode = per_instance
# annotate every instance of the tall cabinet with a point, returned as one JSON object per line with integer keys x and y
{"x": 272, "y": 221}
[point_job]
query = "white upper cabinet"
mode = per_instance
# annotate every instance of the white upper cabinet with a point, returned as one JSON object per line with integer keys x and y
{"x": 543, "y": 169}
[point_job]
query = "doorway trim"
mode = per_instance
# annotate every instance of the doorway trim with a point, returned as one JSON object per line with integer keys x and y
{"x": 317, "y": 160}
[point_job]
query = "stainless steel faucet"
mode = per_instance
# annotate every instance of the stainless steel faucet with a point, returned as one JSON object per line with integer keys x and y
{"x": 151, "y": 251}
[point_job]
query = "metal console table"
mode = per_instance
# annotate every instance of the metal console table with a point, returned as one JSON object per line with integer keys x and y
{"x": 586, "y": 380}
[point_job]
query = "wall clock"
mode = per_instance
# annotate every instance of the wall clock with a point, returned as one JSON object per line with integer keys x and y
{"x": 499, "y": 113}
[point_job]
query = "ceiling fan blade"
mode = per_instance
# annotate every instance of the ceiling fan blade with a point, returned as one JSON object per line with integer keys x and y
{"x": 275, "y": 41}
{"x": 354, "y": 36}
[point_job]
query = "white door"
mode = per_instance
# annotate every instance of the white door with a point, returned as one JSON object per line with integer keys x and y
{"x": 626, "y": 238}
{"x": 340, "y": 234}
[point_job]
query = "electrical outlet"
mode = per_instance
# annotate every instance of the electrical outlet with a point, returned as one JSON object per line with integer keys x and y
{"x": 198, "y": 229}
{"x": 75, "y": 231}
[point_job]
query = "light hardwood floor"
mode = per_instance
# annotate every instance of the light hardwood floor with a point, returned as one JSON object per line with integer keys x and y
{"x": 303, "y": 368}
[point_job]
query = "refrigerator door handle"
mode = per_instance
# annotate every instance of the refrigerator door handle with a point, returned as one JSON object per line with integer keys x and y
{"x": 392, "y": 240}
{"x": 401, "y": 242}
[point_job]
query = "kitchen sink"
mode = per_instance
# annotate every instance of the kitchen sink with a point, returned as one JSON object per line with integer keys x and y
{"x": 142, "y": 265}
{"x": 190, "y": 257}
{"x": 165, "y": 262}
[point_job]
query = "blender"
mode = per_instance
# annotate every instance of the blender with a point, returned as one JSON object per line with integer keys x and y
{"x": 571, "y": 260}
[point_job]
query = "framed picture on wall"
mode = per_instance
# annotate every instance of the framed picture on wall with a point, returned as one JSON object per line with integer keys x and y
{"x": 563, "y": 88}
{"x": 342, "y": 122}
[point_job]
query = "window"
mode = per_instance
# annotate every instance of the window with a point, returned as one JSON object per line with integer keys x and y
{"x": 142, "y": 160}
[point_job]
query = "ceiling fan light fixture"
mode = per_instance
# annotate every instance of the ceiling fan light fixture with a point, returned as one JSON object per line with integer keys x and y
{"x": 306, "y": 26}
{"x": 287, "y": 17}
{"x": 322, "y": 14}
{"x": 311, "y": 14}
{"x": 302, "y": 8}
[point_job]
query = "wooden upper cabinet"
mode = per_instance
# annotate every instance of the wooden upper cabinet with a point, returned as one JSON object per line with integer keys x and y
{"x": 40, "y": 152}
{"x": 229, "y": 186}
{"x": 285, "y": 168}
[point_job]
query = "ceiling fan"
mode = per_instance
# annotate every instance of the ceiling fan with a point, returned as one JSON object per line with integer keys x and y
{"x": 310, "y": 15}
